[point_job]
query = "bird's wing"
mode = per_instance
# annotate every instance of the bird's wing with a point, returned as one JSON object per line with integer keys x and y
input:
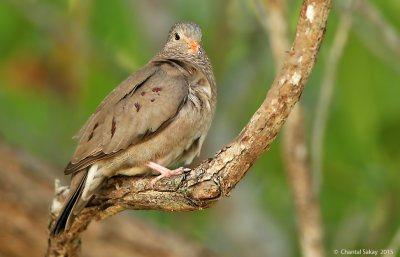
{"x": 139, "y": 107}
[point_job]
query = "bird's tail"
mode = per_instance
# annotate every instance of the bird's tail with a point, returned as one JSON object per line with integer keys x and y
{"x": 73, "y": 201}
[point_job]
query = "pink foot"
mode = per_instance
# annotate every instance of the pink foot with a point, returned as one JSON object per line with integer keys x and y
{"x": 164, "y": 172}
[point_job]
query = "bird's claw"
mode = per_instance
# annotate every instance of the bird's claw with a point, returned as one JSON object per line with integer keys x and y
{"x": 186, "y": 170}
{"x": 166, "y": 173}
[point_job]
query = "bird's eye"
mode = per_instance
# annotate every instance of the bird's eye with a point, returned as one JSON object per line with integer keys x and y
{"x": 177, "y": 37}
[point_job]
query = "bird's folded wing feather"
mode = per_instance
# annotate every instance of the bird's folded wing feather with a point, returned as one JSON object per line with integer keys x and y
{"x": 140, "y": 106}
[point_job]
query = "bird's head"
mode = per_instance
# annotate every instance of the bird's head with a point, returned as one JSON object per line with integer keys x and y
{"x": 185, "y": 37}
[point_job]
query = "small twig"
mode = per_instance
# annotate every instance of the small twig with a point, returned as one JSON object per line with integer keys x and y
{"x": 325, "y": 96}
{"x": 215, "y": 178}
{"x": 389, "y": 34}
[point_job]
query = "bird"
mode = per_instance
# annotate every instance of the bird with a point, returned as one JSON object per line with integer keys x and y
{"x": 156, "y": 118}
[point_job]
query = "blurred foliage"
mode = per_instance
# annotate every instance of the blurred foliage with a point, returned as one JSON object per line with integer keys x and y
{"x": 59, "y": 59}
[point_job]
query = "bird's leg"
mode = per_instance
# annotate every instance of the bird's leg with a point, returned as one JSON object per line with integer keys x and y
{"x": 164, "y": 172}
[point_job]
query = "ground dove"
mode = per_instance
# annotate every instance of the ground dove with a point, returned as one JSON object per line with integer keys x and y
{"x": 158, "y": 117}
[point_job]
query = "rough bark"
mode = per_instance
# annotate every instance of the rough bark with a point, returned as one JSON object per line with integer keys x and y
{"x": 214, "y": 178}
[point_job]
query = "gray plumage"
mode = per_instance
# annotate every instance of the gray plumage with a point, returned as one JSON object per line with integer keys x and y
{"x": 161, "y": 114}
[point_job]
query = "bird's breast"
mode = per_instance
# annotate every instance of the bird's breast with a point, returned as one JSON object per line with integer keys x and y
{"x": 181, "y": 140}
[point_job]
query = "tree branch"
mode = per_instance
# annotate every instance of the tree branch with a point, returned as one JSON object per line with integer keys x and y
{"x": 214, "y": 178}
{"x": 26, "y": 188}
{"x": 294, "y": 146}
{"x": 271, "y": 14}
{"x": 305, "y": 198}
{"x": 325, "y": 95}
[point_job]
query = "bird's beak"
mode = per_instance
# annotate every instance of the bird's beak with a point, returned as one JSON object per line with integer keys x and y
{"x": 195, "y": 46}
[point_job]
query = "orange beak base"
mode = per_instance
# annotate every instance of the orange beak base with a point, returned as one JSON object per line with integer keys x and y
{"x": 195, "y": 46}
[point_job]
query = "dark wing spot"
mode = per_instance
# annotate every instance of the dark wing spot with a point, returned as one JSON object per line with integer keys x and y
{"x": 137, "y": 107}
{"x": 143, "y": 93}
{"x": 113, "y": 127}
{"x": 152, "y": 99}
{"x": 133, "y": 90}
{"x": 91, "y": 134}
{"x": 156, "y": 89}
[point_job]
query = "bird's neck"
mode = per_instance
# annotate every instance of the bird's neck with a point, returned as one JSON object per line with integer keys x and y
{"x": 200, "y": 62}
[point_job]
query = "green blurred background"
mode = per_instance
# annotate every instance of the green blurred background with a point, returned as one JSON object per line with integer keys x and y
{"x": 59, "y": 59}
